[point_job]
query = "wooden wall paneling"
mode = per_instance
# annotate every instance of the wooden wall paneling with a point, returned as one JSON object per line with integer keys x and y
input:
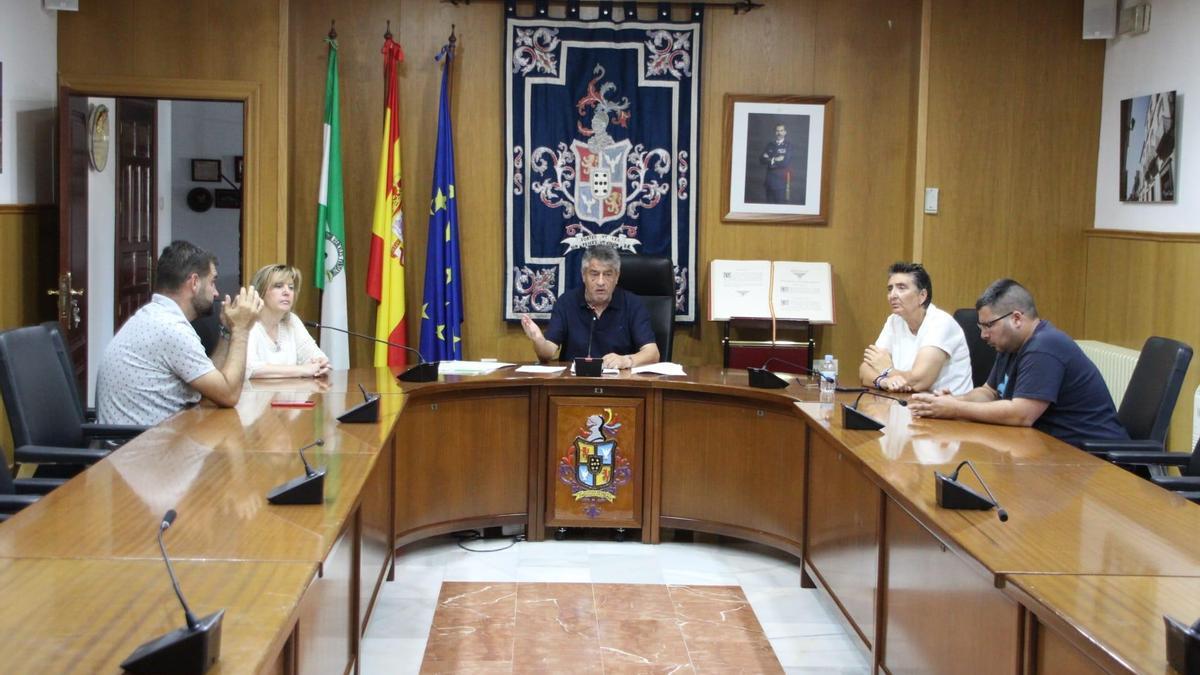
{"x": 421, "y": 27}
{"x": 1141, "y": 287}
{"x": 865, "y": 56}
{"x": 26, "y": 233}
{"x": 1013, "y": 128}
{"x": 871, "y": 70}
{"x": 150, "y": 47}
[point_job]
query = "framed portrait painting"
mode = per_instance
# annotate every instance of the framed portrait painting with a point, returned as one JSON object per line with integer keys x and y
{"x": 777, "y": 151}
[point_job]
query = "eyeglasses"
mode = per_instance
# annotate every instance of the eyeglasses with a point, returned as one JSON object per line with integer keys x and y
{"x": 984, "y": 325}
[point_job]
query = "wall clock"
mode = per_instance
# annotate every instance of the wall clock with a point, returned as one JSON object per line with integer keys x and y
{"x": 98, "y": 137}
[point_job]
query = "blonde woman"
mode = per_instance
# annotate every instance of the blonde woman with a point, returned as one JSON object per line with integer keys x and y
{"x": 279, "y": 345}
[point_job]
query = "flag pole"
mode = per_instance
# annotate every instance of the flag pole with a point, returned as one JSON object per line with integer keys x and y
{"x": 451, "y": 43}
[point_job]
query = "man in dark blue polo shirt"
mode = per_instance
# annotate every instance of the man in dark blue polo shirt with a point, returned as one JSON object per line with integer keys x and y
{"x": 1041, "y": 377}
{"x": 597, "y": 320}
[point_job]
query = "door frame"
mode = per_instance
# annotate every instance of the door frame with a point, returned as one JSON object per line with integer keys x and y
{"x": 250, "y": 95}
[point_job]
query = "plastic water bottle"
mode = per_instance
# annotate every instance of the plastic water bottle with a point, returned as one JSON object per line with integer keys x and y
{"x": 829, "y": 371}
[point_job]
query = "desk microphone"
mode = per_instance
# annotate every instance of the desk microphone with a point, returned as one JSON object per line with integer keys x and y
{"x": 589, "y": 367}
{"x": 307, "y": 489}
{"x": 367, "y": 411}
{"x": 853, "y": 418}
{"x": 761, "y": 378}
{"x": 1183, "y": 645}
{"x": 424, "y": 371}
{"x": 951, "y": 494}
{"x": 191, "y": 649}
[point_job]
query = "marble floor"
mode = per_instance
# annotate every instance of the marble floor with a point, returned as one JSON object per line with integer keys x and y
{"x": 804, "y": 634}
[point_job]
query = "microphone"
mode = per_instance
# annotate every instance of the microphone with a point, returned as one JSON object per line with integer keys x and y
{"x": 853, "y": 418}
{"x": 367, "y": 411}
{"x": 877, "y": 394}
{"x": 168, "y": 519}
{"x": 1183, "y": 644}
{"x": 589, "y": 367}
{"x": 591, "y": 332}
{"x": 952, "y": 494}
{"x": 424, "y": 371}
{"x": 191, "y": 649}
{"x": 307, "y": 489}
{"x": 761, "y": 378}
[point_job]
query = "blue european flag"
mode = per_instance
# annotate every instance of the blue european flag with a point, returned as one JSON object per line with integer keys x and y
{"x": 442, "y": 306}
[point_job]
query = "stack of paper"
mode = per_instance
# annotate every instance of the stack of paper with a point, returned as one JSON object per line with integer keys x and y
{"x": 661, "y": 368}
{"x": 470, "y": 367}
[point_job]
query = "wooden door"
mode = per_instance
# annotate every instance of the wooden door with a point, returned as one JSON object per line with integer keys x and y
{"x": 136, "y": 200}
{"x": 73, "y": 227}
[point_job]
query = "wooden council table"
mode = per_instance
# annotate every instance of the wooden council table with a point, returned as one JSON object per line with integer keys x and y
{"x": 922, "y": 589}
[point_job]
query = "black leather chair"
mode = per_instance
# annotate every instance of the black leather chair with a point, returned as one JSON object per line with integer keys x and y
{"x": 1153, "y": 464}
{"x": 16, "y": 494}
{"x": 44, "y": 410}
{"x": 982, "y": 354}
{"x": 1149, "y": 400}
{"x": 68, "y": 366}
{"x": 653, "y": 279}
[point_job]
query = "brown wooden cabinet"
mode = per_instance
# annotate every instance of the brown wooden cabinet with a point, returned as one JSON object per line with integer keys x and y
{"x": 842, "y": 545}
{"x": 943, "y": 613}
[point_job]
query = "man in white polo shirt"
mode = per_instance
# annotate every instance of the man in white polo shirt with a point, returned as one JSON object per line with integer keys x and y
{"x": 155, "y": 365}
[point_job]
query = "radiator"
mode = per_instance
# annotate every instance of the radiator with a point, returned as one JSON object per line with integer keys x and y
{"x": 1196, "y": 417}
{"x": 1115, "y": 364}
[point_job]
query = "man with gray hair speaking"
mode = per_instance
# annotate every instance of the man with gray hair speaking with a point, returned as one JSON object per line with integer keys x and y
{"x": 598, "y": 319}
{"x": 1041, "y": 377}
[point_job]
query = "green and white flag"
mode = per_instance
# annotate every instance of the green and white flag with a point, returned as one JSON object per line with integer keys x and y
{"x": 330, "y": 269}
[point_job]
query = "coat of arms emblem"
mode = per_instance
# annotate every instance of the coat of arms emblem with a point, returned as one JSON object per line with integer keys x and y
{"x": 593, "y": 467}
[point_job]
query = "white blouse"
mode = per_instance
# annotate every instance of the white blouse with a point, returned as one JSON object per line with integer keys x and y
{"x": 294, "y": 346}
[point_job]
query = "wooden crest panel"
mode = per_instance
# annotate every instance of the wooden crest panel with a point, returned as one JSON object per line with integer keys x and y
{"x": 594, "y": 467}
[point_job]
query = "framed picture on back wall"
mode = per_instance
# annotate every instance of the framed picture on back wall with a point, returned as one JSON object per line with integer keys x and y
{"x": 1148, "y": 145}
{"x": 777, "y": 158}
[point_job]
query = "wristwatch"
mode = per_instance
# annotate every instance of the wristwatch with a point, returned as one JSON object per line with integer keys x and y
{"x": 226, "y": 334}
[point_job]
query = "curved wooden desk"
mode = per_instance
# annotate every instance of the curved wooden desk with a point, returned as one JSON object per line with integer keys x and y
{"x": 925, "y": 590}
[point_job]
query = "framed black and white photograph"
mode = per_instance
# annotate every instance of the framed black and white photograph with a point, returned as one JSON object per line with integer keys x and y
{"x": 776, "y": 157}
{"x": 206, "y": 170}
{"x": 1148, "y": 145}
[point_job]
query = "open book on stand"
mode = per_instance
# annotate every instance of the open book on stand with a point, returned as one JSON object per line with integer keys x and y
{"x": 766, "y": 289}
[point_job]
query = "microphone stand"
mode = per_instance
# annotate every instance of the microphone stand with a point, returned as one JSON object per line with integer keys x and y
{"x": 951, "y": 494}
{"x": 193, "y": 648}
{"x": 307, "y": 489}
{"x": 589, "y": 367}
{"x": 424, "y": 371}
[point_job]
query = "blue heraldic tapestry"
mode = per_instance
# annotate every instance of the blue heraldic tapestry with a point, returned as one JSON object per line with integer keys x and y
{"x": 602, "y": 128}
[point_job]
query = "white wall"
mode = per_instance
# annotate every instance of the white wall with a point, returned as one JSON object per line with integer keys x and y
{"x": 102, "y": 235}
{"x": 207, "y": 130}
{"x": 1163, "y": 59}
{"x": 29, "y": 52}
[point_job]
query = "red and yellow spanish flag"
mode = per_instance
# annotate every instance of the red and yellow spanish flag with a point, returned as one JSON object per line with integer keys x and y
{"x": 385, "y": 273}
